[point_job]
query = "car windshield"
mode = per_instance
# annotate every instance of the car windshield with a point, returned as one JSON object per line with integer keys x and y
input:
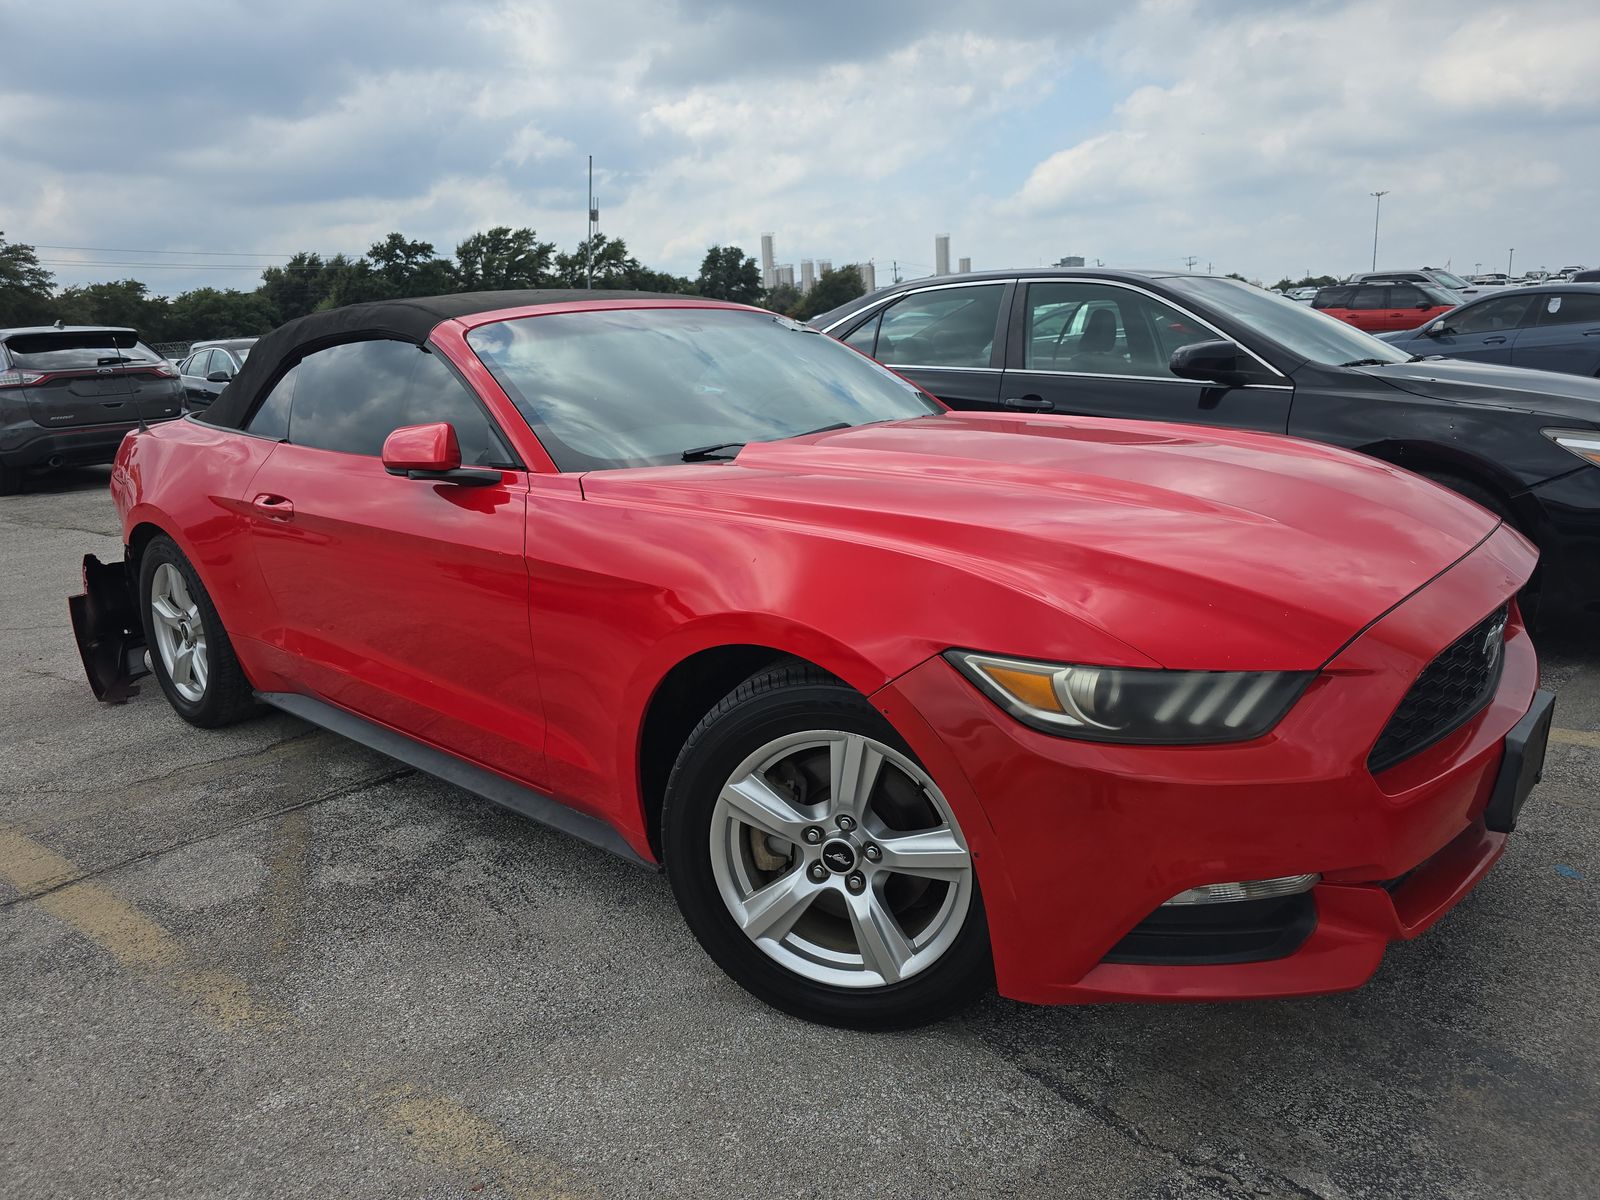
{"x": 77, "y": 349}
{"x": 1302, "y": 331}
{"x": 1454, "y": 282}
{"x": 648, "y": 387}
{"x": 1439, "y": 296}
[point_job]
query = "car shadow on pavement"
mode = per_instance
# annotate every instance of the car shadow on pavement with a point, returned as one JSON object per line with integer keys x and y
{"x": 69, "y": 479}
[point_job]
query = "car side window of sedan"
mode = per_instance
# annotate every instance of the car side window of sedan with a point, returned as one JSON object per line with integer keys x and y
{"x": 221, "y": 361}
{"x": 1570, "y": 308}
{"x": 1491, "y": 316}
{"x": 196, "y": 364}
{"x": 947, "y": 327}
{"x": 865, "y": 336}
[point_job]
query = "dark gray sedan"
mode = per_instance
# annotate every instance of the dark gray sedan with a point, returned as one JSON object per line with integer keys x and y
{"x": 210, "y": 367}
{"x": 1550, "y": 327}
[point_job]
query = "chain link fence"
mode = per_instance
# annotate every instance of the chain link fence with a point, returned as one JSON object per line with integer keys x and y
{"x": 172, "y": 351}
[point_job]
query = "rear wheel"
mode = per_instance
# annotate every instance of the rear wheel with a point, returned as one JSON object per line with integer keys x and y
{"x": 818, "y": 863}
{"x": 190, "y": 654}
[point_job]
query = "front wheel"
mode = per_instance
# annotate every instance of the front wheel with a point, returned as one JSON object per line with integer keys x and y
{"x": 818, "y": 863}
{"x": 190, "y": 653}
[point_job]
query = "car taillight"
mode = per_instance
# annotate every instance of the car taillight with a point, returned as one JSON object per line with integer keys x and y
{"x": 17, "y": 379}
{"x": 165, "y": 370}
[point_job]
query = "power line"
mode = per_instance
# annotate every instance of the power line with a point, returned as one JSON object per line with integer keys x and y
{"x": 166, "y": 266}
{"x": 206, "y": 253}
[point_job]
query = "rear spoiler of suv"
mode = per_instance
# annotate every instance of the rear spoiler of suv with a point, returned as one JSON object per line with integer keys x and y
{"x": 110, "y": 635}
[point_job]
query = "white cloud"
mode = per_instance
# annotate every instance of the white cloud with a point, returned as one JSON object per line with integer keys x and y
{"x": 1248, "y": 134}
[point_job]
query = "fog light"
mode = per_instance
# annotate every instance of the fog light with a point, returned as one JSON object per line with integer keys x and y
{"x": 1250, "y": 889}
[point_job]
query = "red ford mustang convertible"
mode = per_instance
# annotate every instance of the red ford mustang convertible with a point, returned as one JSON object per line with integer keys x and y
{"x": 905, "y": 701}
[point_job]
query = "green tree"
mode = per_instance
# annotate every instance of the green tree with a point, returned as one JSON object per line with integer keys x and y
{"x": 834, "y": 287}
{"x": 124, "y": 302}
{"x": 1286, "y": 283}
{"x": 410, "y": 268}
{"x": 608, "y": 257}
{"x": 727, "y": 274}
{"x": 353, "y": 281}
{"x": 25, "y": 287}
{"x": 297, "y": 287}
{"x": 783, "y": 298}
{"x": 503, "y": 258}
{"x": 212, "y": 313}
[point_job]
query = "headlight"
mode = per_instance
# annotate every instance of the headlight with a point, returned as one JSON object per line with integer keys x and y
{"x": 1117, "y": 704}
{"x": 1585, "y": 443}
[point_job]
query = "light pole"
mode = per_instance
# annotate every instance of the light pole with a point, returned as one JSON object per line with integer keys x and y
{"x": 1510, "y": 254}
{"x": 1376, "y": 213}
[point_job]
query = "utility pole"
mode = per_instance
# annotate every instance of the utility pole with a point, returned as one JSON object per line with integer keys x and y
{"x": 1188, "y": 263}
{"x": 594, "y": 225}
{"x": 894, "y": 265}
{"x": 1510, "y": 254}
{"x": 1377, "y": 212}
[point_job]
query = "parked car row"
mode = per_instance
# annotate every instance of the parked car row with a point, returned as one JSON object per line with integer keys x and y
{"x": 1551, "y": 327}
{"x": 908, "y": 702}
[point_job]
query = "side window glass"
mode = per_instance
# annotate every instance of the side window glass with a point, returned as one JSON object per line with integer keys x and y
{"x": 350, "y": 398}
{"x": 1095, "y": 329}
{"x": 1368, "y": 298}
{"x": 1492, "y": 316}
{"x": 197, "y": 364}
{"x": 436, "y": 394}
{"x": 947, "y": 327}
{"x": 1170, "y": 330}
{"x": 271, "y": 418}
{"x": 1401, "y": 296}
{"x": 865, "y": 335}
{"x": 221, "y": 362}
{"x": 1332, "y": 298}
{"x": 1571, "y": 308}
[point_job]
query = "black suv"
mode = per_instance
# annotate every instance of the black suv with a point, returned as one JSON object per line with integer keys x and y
{"x": 1212, "y": 351}
{"x": 68, "y": 394}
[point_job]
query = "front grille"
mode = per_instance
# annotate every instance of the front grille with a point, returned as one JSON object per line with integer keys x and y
{"x": 1451, "y": 690}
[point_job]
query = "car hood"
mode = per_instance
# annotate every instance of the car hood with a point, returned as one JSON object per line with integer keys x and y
{"x": 1574, "y": 397}
{"x": 1198, "y": 548}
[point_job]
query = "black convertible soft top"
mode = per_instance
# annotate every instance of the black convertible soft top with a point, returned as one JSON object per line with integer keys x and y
{"x": 409, "y": 320}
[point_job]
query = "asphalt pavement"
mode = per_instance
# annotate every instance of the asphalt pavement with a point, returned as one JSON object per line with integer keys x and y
{"x": 265, "y": 961}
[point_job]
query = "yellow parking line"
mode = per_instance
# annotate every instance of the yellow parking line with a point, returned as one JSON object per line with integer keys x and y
{"x": 450, "y": 1135}
{"x": 1575, "y": 737}
{"x": 440, "y": 1130}
{"x": 129, "y": 936}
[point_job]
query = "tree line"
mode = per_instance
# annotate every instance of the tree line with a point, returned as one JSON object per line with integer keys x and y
{"x": 396, "y": 267}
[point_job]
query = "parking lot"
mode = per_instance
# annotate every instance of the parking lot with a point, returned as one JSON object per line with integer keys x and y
{"x": 267, "y": 961}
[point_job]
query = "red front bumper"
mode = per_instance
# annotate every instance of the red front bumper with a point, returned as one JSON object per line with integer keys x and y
{"x": 1077, "y": 842}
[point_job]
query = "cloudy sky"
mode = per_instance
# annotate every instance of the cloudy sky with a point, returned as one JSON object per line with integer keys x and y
{"x": 1245, "y": 134}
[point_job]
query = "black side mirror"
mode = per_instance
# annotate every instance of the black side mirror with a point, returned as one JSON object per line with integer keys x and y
{"x": 219, "y": 377}
{"x": 1423, "y": 306}
{"x": 1210, "y": 362}
{"x": 1437, "y": 329}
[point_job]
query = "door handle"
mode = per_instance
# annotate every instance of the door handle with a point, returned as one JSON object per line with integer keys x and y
{"x": 273, "y": 508}
{"x": 1493, "y": 341}
{"x": 1029, "y": 403}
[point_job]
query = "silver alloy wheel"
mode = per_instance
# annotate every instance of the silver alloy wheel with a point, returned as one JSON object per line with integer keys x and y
{"x": 180, "y": 633}
{"x": 839, "y": 857}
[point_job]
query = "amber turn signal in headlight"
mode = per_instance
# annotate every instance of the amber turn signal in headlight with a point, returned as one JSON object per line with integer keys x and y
{"x": 1119, "y": 704}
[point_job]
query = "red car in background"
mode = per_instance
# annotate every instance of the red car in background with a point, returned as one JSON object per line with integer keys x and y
{"x": 1384, "y": 307}
{"x": 904, "y": 700}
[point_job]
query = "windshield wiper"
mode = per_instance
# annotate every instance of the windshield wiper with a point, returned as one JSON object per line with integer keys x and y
{"x": 824, "y": 429}
{"x": 1367, "y": 362}
{"x": 712, "y": 452}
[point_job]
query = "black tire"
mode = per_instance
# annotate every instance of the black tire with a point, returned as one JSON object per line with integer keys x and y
{"x": 780, "y": 701}
{"x": 10, "y": 481}
{"x": 227, "y": 696}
